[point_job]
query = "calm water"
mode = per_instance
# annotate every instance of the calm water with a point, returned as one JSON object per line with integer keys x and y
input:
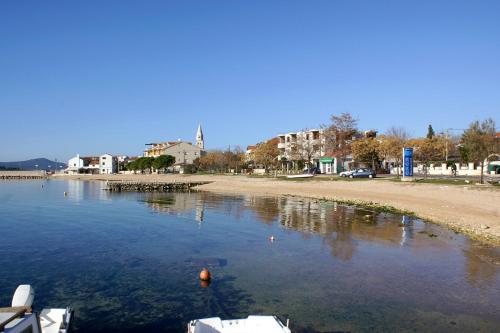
{"x": 130, "y": 262}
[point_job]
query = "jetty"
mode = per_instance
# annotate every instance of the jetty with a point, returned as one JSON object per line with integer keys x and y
{"x": 153, "y": 186}
{"x": 5, "y": 175}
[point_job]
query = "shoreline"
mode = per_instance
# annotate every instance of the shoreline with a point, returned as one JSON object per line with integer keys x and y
{"x": 471, "y": 210}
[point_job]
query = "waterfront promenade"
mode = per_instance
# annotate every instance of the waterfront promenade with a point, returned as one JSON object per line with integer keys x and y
{"x": 471, "y": 209}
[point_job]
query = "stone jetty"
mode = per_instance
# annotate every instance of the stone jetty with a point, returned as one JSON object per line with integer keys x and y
{"x": 22, "y": 175}
{"x": 144, "y": 186}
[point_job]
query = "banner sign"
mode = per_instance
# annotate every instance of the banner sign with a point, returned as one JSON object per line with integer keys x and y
{"x": 408, "y": 162}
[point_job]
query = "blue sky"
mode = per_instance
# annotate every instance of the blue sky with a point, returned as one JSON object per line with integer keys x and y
{"x": 108, "y": 76}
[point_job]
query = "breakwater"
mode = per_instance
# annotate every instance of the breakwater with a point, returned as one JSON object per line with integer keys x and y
{"x": 5, "y": 175}
{"x": 137, "y": 186}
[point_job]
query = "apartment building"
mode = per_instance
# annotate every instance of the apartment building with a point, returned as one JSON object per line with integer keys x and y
{"x": 107, "y": 164}
{"x": 303, "y": 147}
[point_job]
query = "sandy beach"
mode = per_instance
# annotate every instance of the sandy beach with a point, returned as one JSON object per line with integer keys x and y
{"x": 472, "y": 209}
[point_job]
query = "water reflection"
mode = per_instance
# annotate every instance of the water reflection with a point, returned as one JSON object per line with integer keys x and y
{"x": 177, "y": 204}
{"x": 342, "y": 227}
{"x": 482, "y": 264}
{"x": 79, "y": 191}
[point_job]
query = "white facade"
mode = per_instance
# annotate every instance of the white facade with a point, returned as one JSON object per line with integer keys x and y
{"x": 307, "y": 146}
{"x": 107, "y": 164}
{"x": 444, "y": 170}
{"x": 74, "y": 164}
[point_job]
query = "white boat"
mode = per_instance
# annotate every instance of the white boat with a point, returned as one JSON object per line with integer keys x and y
{"x": 303, "y": 175}
{"x": 252, "y": 324}
{"x": 19, "y": 317}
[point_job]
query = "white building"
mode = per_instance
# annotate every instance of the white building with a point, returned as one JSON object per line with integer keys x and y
{"x": 74, "y": 164}
{"x": 303, "y": 146}
{"x": 309, "y": 147}
{"x": 104, "y": 164}
{"x": 107, "y": 164}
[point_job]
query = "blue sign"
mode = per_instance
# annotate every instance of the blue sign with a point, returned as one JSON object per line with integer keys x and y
{"x": 408, "y": 162}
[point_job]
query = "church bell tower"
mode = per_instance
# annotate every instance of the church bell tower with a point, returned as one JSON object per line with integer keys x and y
{"x": 199, "y": 138}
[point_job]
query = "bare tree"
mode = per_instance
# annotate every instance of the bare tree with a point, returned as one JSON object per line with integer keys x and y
{"x": 340, "y": 134}
{"x": 308, "y": 147}
{"x": 398, "y": 132}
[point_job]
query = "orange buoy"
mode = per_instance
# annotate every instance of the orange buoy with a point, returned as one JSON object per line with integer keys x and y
{"x": 204, "y": 275}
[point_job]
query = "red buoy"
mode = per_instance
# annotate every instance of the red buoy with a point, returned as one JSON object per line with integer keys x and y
{"x": 205, "y": 275}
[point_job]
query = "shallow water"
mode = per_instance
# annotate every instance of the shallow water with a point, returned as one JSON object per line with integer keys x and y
{"x": 129, "y": 262}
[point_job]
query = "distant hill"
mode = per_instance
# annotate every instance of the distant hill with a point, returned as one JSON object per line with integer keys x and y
{"x": 34, "y": 164}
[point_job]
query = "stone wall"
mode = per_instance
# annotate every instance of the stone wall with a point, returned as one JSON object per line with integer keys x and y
{"x": 118, "y": 186}
{"x": 23, "y": 175}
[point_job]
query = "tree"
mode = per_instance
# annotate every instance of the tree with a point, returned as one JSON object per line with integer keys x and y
{"x": 237, "y": 159}
{"x": 391, "y": 147}
{"x": 132, "y": 166}
{"x": 366, "y": 150}
{"x": 308, "y": 147}
{"x": 426, "y": 150}
{"x": 212, "y": 161}
{"x": 398, "y": 132}
{"x": 163, "y": 162}
{"x": 392, "y": 143}
{"x": 144, "y": 163}
{"x": 339, "y": 135}
{"x": 266, "y": 153}
{"x": 479, "y": 142}
{"x": 430, "y": 132}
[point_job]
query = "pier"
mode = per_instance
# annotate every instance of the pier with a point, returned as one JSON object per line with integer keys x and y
{"x": 5, "y": 175}
{"x": 141, "y": 186}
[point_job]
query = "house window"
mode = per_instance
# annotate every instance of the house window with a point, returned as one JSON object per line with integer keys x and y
{"x": 104, "y": 157}
{"x": 307, "y": 136}
{"x": 103, "y": 163}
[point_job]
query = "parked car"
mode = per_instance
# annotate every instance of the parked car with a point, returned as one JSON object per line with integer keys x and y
{"x": 346, "y": 173}
{"x": 313, "y": 171}
{"x": 363, "y": 173}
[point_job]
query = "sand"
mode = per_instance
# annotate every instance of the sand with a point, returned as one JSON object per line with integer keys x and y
{"x": 471, "y": 209}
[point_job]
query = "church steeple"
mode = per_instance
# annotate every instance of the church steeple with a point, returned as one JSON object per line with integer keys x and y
{"x": 199, "y": 138}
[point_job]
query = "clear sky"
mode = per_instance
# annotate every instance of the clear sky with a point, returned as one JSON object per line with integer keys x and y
{"x": 91, "y": 77}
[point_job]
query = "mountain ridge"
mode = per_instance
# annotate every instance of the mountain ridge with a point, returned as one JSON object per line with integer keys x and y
{"x": 41, "y": 163}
